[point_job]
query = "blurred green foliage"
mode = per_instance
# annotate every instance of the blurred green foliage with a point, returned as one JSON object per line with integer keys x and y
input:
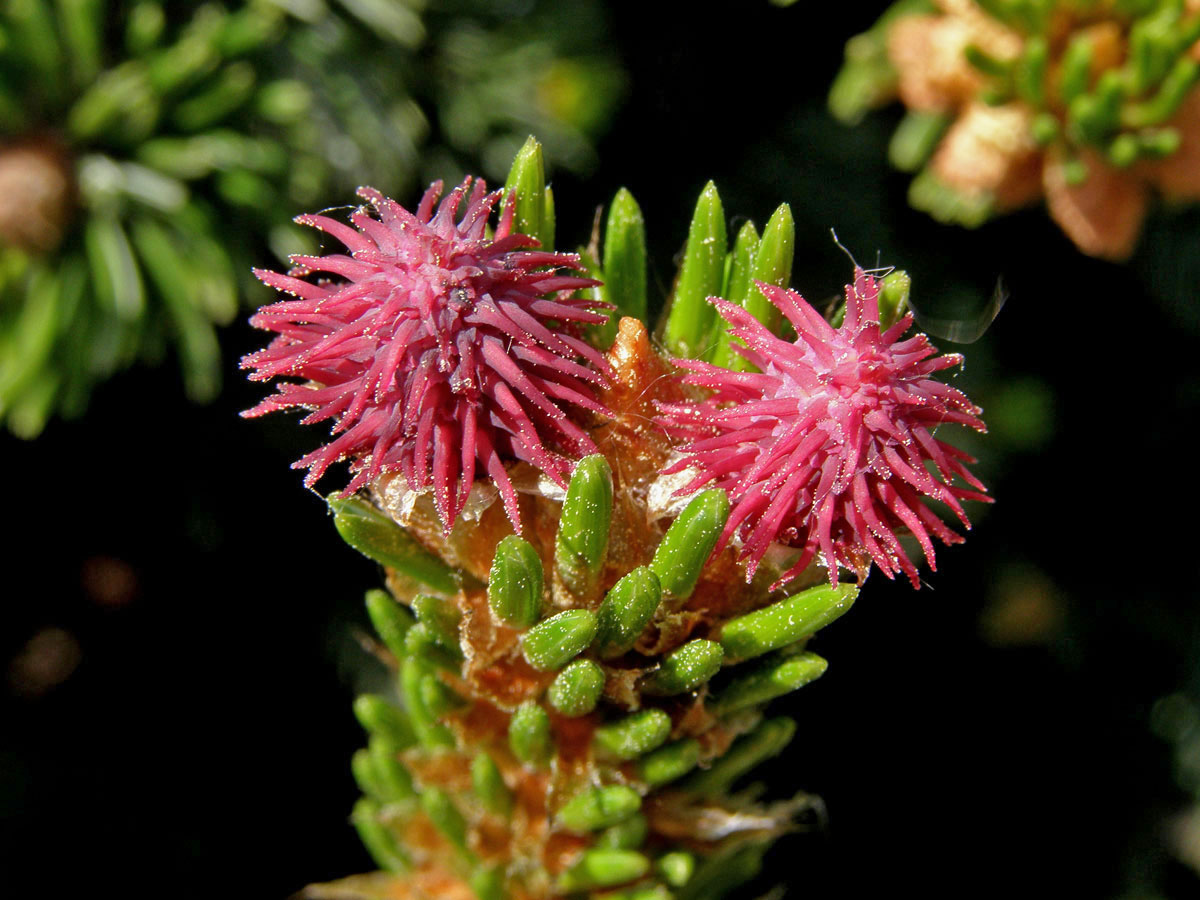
{"x": 146, "y": 146}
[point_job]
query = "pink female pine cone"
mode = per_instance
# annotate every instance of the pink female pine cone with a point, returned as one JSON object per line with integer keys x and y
{"x": 825, "y": 447}
{"x": 436, "y": 350}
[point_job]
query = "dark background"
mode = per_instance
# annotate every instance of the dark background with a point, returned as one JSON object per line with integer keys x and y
{"x": 201, "y": 746}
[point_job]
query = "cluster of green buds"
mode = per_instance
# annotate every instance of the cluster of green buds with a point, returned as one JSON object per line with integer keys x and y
{"x": 1053, "y": 90}
{"x": 560, "y": 732}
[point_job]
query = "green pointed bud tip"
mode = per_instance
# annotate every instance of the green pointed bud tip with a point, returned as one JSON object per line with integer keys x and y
{"x": 740, "y": 270}
{"x": 515, "y": 583}
{"x": 378, "y": 717}
{"x": 554, "y": 642}
{"x": 625, "y": 257}
{"x": 685, "y": 669}
{"x": 363, "y": 769}
{"x": 487, "y": 883}
{"x": 549, "y": 219}
{"x": 440, "y": 808}
{"x": 634, "y": 735}
{"x": 773, "y": 262}
{"x": 676, "y": 868}
{"x": 786, "y": 621}
{"x": 526, "y": 187}
{"x": 627, "y": 835}
{"x": 603, "y": 868}
{"x": 440, "y": 618}
{"x": 764, "y": 683}
{"x": 391, "y": 778}
{"x": 420, "y": 643}
{"x": 376, "y": 536}
{"x": 689, "y": 542}
{"x": 599, "y": 808}
{"x": 626, "y": 610}
{"x": 390, "y": 619}
{"x": 489, "y": 786}
{"x": 701, "y": 275}
{"x": 378, "y": 839}
{"x": 438, "y": 697}
{"x": 916, "y": 138}
{"x": 894, "y": 290}
{"x": 529, "y": 734}
{"x": 413, "y": 673}
{"x": 582, "y": 542}
{"x": 668, "y": 763}
{"x": 577, "y": 688}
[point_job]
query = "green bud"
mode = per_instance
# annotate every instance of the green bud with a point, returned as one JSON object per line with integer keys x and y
{"x": 527, "y": 183}
{"x": 766, "y": 682}
{"x": 1124, "y": 150}
{"x": 373, "y": 534}
{"x": 893, "y": 297}
{"x": 626, "y": 611}
{"x": 378, "y": 717}
{"x": 438, "y": 697}
{"x": 489, "y": 785}
{"x": 685, "y": 669}
{"x": 577, "y": 688}
{"x": 740, "y": 266}
{"x": 1044, "y": 129}
{"x": 391, "y": 778}
{"x": 440, "y": 618}
{"x": 487, "y": 883}
{"x": 362, "y": 767}
{"x": 787, "y": 621}
{"x": 625, "y": 257}
{"x": 1075, "y": 171}
{"x": 690, "y": 318}
{"x": 638, "y": 733}
{"x": 1092, "y": 117}
{"x": 689, "y": 542}
{"x": 515, "y": 583}
{"x": 986, "y": 63}
{"x": 649, "y": 892}
{"x": 598, "y": 808}
{"x": 916, "y": 138}
{"x": 1159, "y": 108}
{"x": 421, "y": 644}
{"x": 773, "y": 264}
{"x": 529, "y": 734}
{"x": 739, "y": 270}
{"x": 391, "y": 620}
{"x": 748, "y": 751}
{"x": 603, "y": 868}
{"x": 676, "y": 868}
{"x": 582, "y": 543}
{"x": 379, "y": 840}
{"x": 670, "y": 762}
{"x": 1076, "y": 69}
{"x": 548, "y": 219}
{"x": 555, "y": 641}
{"x": 1158, "y": 143}
{"x": 930, "y": 194}
{"x": 440, "y": 808}
{"x": 627, "y": 835}
{"x": 430, "y": 733}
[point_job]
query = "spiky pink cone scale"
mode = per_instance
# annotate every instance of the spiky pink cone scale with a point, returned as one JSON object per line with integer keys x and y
{"x": 440, "y": 354}
{"x": 826, "y": 447}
